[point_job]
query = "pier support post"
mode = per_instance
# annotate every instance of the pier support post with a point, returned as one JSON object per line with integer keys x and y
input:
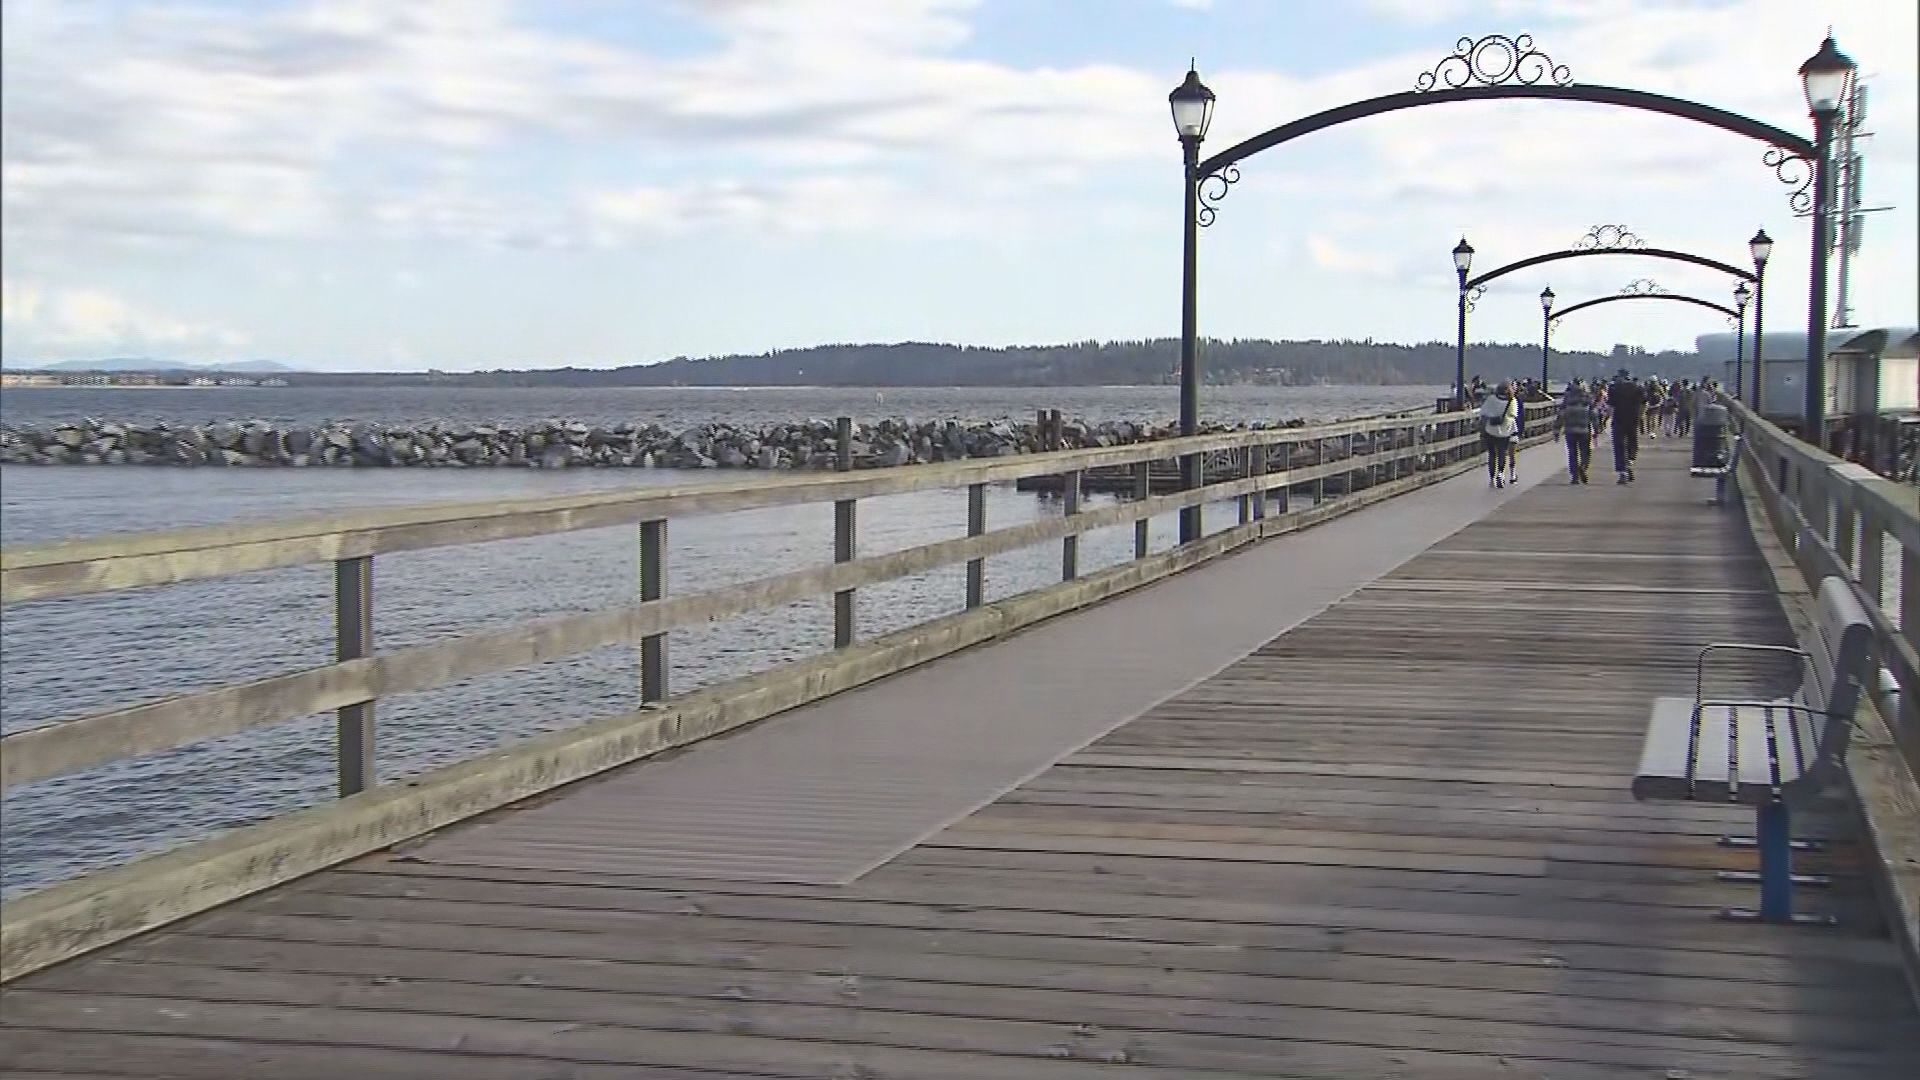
{"x": 976, "y": 526}
{"x": 1070, "y": 506}
{"x": 353, "y": 640}
{"x": 653, "y": 586}
{"x": 843, "y": 536}
{"x": 1142, "y": 490}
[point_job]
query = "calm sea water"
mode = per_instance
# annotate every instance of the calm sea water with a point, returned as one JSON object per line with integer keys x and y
{"x": 74, "y": 656}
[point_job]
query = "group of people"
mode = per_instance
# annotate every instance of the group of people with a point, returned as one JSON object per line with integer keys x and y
{"x": 1626, "y": 406}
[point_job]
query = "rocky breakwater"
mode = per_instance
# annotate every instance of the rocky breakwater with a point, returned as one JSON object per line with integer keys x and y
{"x": 552, "y": 444}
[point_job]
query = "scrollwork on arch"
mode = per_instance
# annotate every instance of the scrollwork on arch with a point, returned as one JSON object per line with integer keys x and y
{"x": 1474, "y": 294}
{"x": 1608, "y": 238}
{"x": 1796, "y": 172}
{"x": 1212, "y": 188}
{"x": 1642, "y": 287}
{"x": 1491, "y": 61}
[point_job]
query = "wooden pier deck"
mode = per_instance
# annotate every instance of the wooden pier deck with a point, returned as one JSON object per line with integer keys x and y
{"x": 1394, "y": 840}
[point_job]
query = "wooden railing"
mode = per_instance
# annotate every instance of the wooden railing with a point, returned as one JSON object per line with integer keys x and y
{"x": 1836, "y": 517}
{"x": 1380, "y": 449}
{"x": 1382, "y": 456}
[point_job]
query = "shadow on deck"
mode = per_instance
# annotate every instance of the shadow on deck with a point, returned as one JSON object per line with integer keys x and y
{"x": 1395, "y": 840}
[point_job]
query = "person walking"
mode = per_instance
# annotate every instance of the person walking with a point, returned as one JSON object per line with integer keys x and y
{"x": 1574, "y": 423}
{"x": 1629, "y": 402}
{"x": 1499, "y": 427}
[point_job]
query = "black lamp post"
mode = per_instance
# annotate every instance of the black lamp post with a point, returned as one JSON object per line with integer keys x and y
{"x": 1192, "y": 106}
{"x": 1741, "y": 294}
{"x": 1824, "y": 77}
{"x": 1761, "y": 248}
{"x": 1546, "y": 328}
{"x": 1462, "y": 262}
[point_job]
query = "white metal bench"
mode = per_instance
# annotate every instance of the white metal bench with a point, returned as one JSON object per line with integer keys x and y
{"x": 1769, "y": 753}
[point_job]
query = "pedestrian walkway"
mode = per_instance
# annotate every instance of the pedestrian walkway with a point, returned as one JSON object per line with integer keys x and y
{"x": 1374, "y": 822}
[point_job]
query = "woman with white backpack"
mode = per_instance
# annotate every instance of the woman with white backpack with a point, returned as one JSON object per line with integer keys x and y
{"x": 1499, "y": 430}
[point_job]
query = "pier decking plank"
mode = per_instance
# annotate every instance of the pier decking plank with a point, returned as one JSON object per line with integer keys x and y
{"x": 1394, "y": 841}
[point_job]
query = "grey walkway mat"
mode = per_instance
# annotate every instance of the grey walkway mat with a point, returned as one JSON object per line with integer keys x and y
{"x": 827, "y": 792}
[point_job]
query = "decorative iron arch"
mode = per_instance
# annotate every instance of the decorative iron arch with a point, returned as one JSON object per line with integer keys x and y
{"x": 1481, "y": 280}
{"x": 1499, "y": 68}
{"x": 1681, "y": 298}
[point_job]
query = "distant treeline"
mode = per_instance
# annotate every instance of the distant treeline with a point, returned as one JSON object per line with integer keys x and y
{"x": 1084, "y": 363}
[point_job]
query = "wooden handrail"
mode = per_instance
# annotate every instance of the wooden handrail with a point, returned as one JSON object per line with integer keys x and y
{"x": 110, "y": 563}
{"x": 350, "y": 685}
{"x": 1835, "y": 517}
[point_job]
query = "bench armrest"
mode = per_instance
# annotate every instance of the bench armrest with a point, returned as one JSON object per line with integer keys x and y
{"x": 1700, "y": 664}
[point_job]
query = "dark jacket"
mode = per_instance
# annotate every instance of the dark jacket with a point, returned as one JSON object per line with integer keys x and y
{"x": 1628, "y": 398}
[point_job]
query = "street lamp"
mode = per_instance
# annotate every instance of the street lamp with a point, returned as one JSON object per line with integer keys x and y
{"x": 1825, "y": 77}
{"x": 1761, "y": 248}
{"x": 1741, "y": 294}
{"x": 1192, "y": 105}
{"x": 1462, "y": 262}
{"x": 1546, "y": 325}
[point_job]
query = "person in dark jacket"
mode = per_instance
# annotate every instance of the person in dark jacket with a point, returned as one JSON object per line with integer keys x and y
{"x": 1629, "y": 401}
{"x": 1574, "y": 423}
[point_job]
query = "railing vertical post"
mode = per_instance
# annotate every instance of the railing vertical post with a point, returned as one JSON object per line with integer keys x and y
{"x": 1910, "y": 595}
{"x": 1319, "y": 464}
{"x": 1257, "y": 464}
{"x": 1873, "y": 559}
{"x": 1056, "y": 431}
{"x": 653, "y": 586}
{"x": 1816, "y": 502}
{"x": 1070, "y": 506}
{"x": 353, "y": 640}
{"x": 1041, "y": 443}
{"x": 1286, "y": 489}
{"x": 1353, "y": 438}
{"x": 976, "y": 525}
{"x": 1844, "y": 522}
{"x": 843, "y": 535}
{"x": 1142, "y": 490}
{"x": 1244, "y": 503}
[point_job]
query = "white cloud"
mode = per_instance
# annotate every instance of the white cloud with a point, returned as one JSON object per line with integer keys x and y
{"x": 412, "y": 132}
{"x": 43, "y": 319}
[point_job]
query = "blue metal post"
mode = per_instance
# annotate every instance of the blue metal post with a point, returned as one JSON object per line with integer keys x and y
{"x": 1776, "y": 863}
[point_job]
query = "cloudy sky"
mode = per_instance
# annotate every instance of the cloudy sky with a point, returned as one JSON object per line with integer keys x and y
{"x": 476, "y": 183}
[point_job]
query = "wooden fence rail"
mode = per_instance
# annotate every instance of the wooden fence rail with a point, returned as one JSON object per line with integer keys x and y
{"x": 1838, "y": 518}
{"x": 1386, "y": 456}
{"x": 1380, "y": 447}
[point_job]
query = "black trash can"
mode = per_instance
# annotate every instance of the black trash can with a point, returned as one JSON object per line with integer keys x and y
{"x": 1710, "y": 438}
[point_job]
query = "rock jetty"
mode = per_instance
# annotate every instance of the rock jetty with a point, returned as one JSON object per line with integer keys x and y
{"x": 552, "y": 444}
